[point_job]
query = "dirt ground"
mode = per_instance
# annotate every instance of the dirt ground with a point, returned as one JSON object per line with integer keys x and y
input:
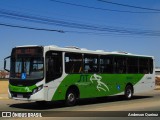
{"x": 3, "y": 86}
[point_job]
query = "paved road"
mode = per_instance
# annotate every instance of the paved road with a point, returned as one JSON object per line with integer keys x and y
{"x": 148, "y": 102}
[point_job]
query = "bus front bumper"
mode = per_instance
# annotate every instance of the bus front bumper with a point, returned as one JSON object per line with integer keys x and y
{"x": 38, "y": 96}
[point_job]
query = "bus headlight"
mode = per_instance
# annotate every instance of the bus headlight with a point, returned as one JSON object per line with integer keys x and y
{"x": 37, "y": 89}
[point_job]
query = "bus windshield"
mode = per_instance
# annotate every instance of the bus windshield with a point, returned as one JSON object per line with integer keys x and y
{"x": 27, "y": 68}
{"x": 27, "y": 63}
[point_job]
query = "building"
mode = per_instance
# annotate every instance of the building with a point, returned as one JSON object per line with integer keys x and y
{"x": 157, "y": 72}
{"x": 4, "y": 74}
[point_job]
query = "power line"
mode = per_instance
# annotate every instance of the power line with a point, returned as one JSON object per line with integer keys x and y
{"x": 98, "y": 8}
{"x": 31, "y": 28}
{"x": 51, "y": 30}
{"x": 130, "y": 6}
{"x": 91, "y": 28}
{"x": 77, "y": 32}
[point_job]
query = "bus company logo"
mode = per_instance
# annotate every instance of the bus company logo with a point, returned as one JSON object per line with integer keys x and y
{"x": 100, "y": 85}
{"x": 83, "y": 78}
{"x": 6, "y": 114}
{"x": 27, "y": 89}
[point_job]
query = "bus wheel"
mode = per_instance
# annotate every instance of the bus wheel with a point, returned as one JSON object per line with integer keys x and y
{"x": 71, "y": 98}
{"x": 128, "y": 92}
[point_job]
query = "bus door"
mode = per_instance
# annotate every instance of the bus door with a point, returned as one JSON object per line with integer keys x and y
{"x": 53, "y": 71}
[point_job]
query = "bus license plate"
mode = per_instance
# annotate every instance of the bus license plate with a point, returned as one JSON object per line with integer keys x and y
{"x": 19, "y": 95}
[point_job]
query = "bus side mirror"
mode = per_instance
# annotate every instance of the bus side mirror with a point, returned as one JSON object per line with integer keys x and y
{"x": 5, "y": 63}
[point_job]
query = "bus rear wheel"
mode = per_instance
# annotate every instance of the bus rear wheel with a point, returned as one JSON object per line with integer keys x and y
{"x": 71, "y": 98}
{"x": 128, "y": 92}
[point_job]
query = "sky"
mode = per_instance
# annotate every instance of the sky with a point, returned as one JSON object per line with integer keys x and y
{"x": 84, "y": 14}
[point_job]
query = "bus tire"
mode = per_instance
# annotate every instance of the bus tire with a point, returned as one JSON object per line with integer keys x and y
{"x": 71, "y": 98}
{"x": 128, "y": 92}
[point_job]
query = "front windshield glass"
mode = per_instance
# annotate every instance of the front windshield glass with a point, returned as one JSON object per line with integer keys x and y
{"x": 27, "y": 68}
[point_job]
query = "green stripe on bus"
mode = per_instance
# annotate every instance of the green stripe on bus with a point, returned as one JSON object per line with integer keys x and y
{"x": 96, "y": 85}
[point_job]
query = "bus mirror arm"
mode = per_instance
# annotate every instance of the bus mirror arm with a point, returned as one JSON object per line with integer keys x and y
{"x": 5, "y": 63}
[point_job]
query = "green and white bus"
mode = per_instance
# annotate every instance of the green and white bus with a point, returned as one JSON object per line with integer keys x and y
{"x": 51, "y": 73}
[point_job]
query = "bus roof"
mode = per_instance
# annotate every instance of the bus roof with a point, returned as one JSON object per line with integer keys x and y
{"x": 84, "y": 50}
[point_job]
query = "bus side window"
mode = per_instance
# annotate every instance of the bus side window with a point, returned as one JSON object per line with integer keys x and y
{"x": 132, "y": 65}
{"x": 151, "y": 66}
{"x": 73, "y": 62}
{"x": 91, "y": 63}
{"x": 120, "y": 65}
{"x": 106, "y": 64}
{"x": 144, "y": 65}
